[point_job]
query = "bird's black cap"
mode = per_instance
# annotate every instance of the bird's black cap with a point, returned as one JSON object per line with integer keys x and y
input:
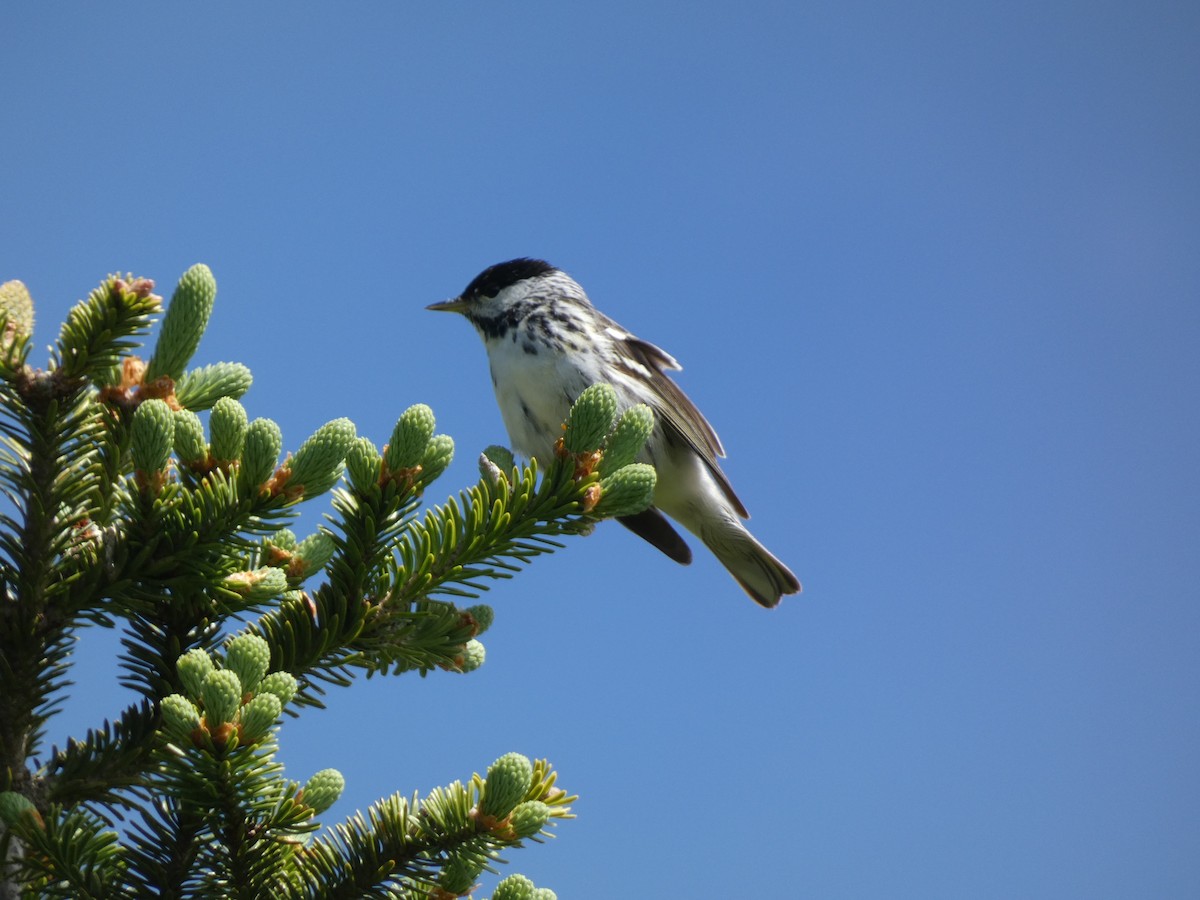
{"x": 494, "y": 279}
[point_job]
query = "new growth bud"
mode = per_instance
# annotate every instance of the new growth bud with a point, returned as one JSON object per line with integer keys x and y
{"x": 507, "y": 783}
{"x": 260, "y": 453}
{"x": 190, "y": 445}
{"x": 282, "y": 684}
{"x": 472, "y": 657}
{"x": 410, "y": 438}
{"x": 258, "y": 584}
{"x": 227, "y": 425}
{"x": 483, "y": 615}
{"x": 591, "y": 419}
{"x": 184, "y": 323}
{"x": 514, "y": 887}
{"x": 459, "y": 874}
{"x": 180, "y": 717}
{"x": 248, "y": 656}
{"x": 627, "y": 439}
{"x": 16, "y": 308}
{"x": 193, "y": 667}
{"x": 152, "y": 437}
{"x": 317, "y": 465}
{"x": 323, "y": 790}
{"x": 364, "y": 465}
{"x": 529, "y": 818}
{"x": 314, "y": 552}
{"x": 222, "y": 695}
{"x": 201, "y": 388}
{"x": 257, "y": 716}
{"x": 438, "y": 454}
{"x": 626, "y": 491}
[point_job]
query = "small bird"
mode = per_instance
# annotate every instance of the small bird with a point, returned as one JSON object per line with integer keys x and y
{"x": 546, "y": 343}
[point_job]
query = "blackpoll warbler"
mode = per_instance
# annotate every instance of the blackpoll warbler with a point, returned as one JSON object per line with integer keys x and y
{"x": 546, "y": 343}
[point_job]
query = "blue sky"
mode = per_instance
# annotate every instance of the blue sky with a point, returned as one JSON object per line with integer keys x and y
{"x": 933, "y": 273}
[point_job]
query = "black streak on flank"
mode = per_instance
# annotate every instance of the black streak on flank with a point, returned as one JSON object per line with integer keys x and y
{"x": 494, "y": 279}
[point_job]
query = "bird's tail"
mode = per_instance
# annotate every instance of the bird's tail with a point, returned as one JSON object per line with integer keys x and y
{"x": 752, "y": 565}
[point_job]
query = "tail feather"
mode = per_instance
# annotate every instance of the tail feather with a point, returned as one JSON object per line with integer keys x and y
{"x": 753, "y": 566}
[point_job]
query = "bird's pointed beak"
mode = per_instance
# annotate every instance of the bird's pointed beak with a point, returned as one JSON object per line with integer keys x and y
{"x": 455, "y": 304}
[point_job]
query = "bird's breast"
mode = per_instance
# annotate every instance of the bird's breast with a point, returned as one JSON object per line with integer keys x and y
{"x": 535, "y": 387}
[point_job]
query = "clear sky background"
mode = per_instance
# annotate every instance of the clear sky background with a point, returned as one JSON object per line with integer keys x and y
{"x": 933, "y": 270}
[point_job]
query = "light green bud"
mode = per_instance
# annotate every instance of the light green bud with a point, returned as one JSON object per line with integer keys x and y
{"x": 222, "y": 695}
{"x": 180, "y": 716}
{"x": 284, "y": 539}
{"x": 507, "y": 783}
{"x": 260, "y": 452}
{"x": 258, "y": 715}
{"x": 227, "y": 425}
{"x": 190, "y": 445}
{"x": 438, "y": 454}
{"x": 281, "y": 684}
{"x": 248, "y": 656}
{"x": 257, "y": 584}
{"x": 184, "y": 323}
{"x": 514, "y": 887}
{"x": 626, "y": 491}
{"x": 483, "y": 615}
{"x": 529, "y": 818}
{"x": 193, "y": 667}
{"x": 323, "y": 790}
{"x": 318, "y": 462}
{"x": 315, "y": 551}
{"x": 364, "y": 464}
{"x": 200, "y": 388}
{"x": 152, "y": 436}
{"x": 410, "y": 437}
{"x": 16, "y": 308}
{"x": 628, "y": 438}
{"x": 459, "y": 874}
{"x": 315, "y": 487}
{"x": 591, "y": 419}
{"x": 544, "y": 894}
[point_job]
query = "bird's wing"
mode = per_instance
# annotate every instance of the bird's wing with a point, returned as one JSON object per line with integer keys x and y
{"x": 679, "y": 412}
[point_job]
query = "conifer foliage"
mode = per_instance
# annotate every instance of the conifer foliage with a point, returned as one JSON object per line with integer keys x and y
{"x": 125, "y": 509}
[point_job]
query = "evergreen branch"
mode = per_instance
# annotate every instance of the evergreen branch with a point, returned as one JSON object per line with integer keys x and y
{"x": 71, "y": 855}
{"x": 107, "y": 763}
{"x": 454, "y": 545}
{"x": 246, "y": 817}
{"x": 162, "y": 850}
{"x": 493, "y": 522}
{"x": 44, "y": 432}
{"x": 98, "y": 330}
{"x": 417, "y": 845}
{"x": 368, "y": 857}
{"x": 119, "y": 510}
